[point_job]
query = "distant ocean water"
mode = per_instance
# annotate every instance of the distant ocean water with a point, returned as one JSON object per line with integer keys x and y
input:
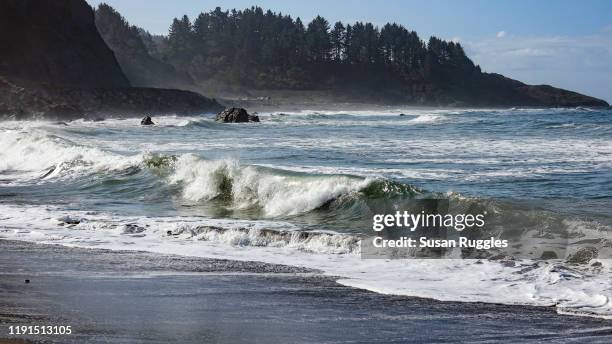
{"x": 250, "y": 191}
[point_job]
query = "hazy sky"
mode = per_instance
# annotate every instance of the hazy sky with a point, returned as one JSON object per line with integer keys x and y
{"x": 559, "y": 42}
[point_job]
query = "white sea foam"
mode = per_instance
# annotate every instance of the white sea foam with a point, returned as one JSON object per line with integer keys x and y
{"x": 390, "y": 117}
{"x": 160, "y": 122}
{"x": 427, "y": 118}
{"x": 36, "y": 154}
{"x": 571, "y": 289}
{"x": 276, "y": 193}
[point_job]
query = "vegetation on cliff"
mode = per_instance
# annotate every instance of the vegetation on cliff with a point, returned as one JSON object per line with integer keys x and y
{"x": 132, "y": 54}
{"x": 253, "y": 49}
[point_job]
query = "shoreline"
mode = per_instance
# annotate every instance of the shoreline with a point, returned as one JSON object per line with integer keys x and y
{"x": 257, "y": 107}
{"x": 313, "y": 101}
{"x": 102, "y": 291}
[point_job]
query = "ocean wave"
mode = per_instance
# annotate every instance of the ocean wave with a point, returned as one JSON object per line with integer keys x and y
{"x": 35, "y": 154}
{"x": 276, "y": 192}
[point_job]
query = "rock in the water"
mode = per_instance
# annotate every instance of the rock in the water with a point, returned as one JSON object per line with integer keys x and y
{"x": 549, "y": 255}
{"x": 147, "y": 121}
{"x": 69, "y": 220}
{"x": 583, "y": 255}
{"x": 236, "y": 115}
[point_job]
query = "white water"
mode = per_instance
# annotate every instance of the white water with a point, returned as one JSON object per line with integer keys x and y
{"x": 571, "y": 290}
{"x": 251, "y": 186}
{"x": 28, "y": 154}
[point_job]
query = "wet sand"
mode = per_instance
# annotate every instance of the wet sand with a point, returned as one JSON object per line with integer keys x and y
{"x": 136, "y": 297}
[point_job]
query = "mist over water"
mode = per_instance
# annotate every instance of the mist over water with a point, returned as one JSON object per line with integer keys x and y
{"x": 303, "y": 186}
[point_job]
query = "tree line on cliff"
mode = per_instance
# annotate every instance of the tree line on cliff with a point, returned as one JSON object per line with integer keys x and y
{"x": 270, "y": 50}
{"x": 253, "y": 49}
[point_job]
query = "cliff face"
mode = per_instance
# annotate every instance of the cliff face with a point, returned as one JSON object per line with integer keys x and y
{"x": 56, "y": 43}
{"x": 54, "y": 64}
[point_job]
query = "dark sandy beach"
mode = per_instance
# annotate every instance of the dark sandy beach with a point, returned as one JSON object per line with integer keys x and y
{"x": 135, "y": 297}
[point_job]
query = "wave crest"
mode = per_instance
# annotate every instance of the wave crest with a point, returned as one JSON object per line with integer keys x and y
{"x": 37, "y": 155}
{"x": 276, "y": 192}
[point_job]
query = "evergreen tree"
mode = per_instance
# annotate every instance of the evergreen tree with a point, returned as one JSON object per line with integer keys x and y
{"x": 267, "y": 49}
{"x": 348, "y": 47}
{"x": 338, "y": 42}
{"x": 371, "y": 47}
{"x": 180, "y": 41}
{"x": 300, "y": 47}
{"x": 318, "y": 40}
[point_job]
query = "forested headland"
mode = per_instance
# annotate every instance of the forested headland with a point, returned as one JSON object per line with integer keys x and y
{"x": 237, "y": 51}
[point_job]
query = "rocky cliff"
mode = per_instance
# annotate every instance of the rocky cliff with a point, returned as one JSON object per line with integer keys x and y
{"x": 53, "y": 63}
{"x": 56, "y": 43}
{"x": 18, "y": 102}
{"x": 491, "y": 89}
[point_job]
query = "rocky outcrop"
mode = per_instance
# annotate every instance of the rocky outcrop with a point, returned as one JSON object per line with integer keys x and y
{"x": 583, "y": 256}
{"x": 54, "y": 64}
{"x": 491, "y": 89}
{"x": 546, "y": 95}
{"x": 18, "y": 102}
{"x": 55, "y": 43}
{"x": 147, "y": 121}
{"x": 236, "y": 115}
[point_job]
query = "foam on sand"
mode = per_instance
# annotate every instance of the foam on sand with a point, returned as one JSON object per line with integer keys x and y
{"x": 571, "y": 289}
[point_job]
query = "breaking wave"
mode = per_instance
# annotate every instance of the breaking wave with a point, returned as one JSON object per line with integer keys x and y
{"x": 38, "y": 155}
{"x": 276, "y": 192}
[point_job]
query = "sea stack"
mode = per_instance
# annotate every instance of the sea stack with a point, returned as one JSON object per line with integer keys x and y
{"x": 236, "y": 115}
{"x": 146, "y": 121}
